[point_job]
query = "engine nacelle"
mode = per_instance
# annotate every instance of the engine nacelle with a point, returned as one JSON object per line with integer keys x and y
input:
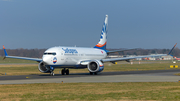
{"x": 42, "y": 68}
{"x": 95, "y": 66}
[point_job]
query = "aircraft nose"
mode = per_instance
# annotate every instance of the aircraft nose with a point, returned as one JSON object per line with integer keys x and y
{"x": 46, "y": 59}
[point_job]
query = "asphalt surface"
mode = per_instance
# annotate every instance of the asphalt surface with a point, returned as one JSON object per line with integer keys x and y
{"x": 122, "y": 76}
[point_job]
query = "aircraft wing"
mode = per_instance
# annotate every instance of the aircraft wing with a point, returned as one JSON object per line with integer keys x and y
{"x": 24, "y": 58}
{"x": 129, "y": 58}
{"x": 17, "y": 57}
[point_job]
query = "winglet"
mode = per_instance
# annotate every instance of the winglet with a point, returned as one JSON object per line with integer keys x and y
{"x": 5, "y": 51}
{"x": 172, "y": 49}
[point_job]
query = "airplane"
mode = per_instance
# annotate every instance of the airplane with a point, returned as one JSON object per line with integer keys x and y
{"x": 79, "y": 57}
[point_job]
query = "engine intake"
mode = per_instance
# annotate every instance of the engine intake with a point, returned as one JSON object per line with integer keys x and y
{"x": 42, "y": 68}
{"x": 95, "y": 66}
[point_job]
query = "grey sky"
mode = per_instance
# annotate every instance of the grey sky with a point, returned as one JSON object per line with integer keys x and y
{"x": 47, "y": 23}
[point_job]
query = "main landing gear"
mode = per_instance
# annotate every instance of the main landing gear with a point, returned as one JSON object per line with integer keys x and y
{"x": 63, "y": 71}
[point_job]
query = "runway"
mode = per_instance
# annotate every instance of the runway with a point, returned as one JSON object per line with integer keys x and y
{"x": 122, "y": 76}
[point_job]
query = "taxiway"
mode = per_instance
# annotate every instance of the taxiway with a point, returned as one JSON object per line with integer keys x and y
{"x": 121, "y": 76}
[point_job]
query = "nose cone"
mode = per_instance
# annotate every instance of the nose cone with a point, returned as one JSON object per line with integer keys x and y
{"x": 46, "y": 59}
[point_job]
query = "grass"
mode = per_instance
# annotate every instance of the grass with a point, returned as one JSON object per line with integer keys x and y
{"x": 178, "y": 74}
{"x": 88, "y": 91}
{"x": 91, "y": 91}
{"x": 144, "y": 66}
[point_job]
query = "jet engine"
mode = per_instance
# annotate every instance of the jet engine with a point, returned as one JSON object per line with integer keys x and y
{"x": 42, "y": 68}
{"x": 95, "y": 66}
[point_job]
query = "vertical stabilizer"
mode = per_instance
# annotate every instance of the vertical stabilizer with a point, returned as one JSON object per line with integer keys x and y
{"x": 103, "y": 39}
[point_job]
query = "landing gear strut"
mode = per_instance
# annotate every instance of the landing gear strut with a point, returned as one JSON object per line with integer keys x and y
{"x": 63, "y": 71}
{"x": 51, "y": 71}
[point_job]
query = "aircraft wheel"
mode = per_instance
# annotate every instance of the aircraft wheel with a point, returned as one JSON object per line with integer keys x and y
{"x": 95, "y": 73}
{"x": 63, "y": 71}
{"x": 67, "y": 71}
{"x": 52, "y": 73}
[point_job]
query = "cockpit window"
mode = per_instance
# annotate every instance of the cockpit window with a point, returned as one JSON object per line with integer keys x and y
{"x": 53, "y": 53}
{"x": 49, "y": 53}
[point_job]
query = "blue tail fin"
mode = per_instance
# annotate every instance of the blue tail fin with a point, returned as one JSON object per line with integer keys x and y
{"x": 103, "y": 39}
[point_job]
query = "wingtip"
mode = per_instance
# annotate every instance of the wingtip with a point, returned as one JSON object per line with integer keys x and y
{"x": 3, "y": 47}
{"x": 5, "y": 51}
{"x": 172, "y": 49}
{"x": 175, "y": 45}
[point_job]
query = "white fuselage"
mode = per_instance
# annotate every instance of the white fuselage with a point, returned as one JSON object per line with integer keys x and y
{"x": 71, "y": 56}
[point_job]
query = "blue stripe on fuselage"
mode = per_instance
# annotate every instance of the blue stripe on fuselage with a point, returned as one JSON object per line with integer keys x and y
{"x": 69, "y": 66}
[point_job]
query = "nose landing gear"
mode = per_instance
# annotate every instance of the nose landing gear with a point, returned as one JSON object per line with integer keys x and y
{"x": 51, "y": 71}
